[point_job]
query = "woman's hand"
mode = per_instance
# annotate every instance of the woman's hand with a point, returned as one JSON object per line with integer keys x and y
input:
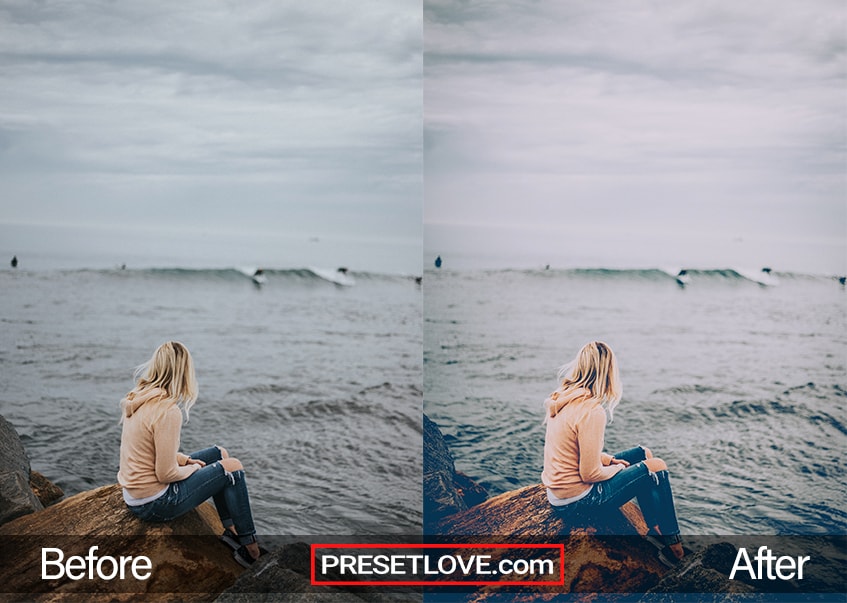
{"x": 615, "y": 461}
{"x": 191, "y": 461}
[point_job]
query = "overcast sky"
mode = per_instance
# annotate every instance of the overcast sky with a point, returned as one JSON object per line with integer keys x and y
{"x": 274, "y": 116}
{"x": 668, "y": 124}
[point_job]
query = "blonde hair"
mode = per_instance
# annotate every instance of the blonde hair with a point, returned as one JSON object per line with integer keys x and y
{"x": 171, "y": 370}
{"x": 591, "y": 376}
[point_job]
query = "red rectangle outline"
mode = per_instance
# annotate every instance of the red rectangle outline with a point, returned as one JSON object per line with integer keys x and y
{"x": 559, "y": 582}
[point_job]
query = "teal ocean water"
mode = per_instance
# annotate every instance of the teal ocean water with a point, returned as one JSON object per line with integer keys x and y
{"x": 738, "y": 385}
{"x": 316, "y": 387}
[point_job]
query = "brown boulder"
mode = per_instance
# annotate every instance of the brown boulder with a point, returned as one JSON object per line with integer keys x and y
{"x": 45, "y": 491}
{"x": 594, "y": 563}
{"x": 189, "y": 563}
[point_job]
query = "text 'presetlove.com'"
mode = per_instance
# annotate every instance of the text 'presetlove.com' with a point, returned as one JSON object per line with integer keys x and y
{"x": 437, "y": 564}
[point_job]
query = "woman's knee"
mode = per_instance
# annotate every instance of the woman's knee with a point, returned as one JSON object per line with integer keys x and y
{"x": 224, "y": 453}
{"x": 648, "y": 454}
{"x": 655, "y": 465}
{"x": 231, "y": 464}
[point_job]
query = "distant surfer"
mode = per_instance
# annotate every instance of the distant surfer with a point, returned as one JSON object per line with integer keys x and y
{"x": 438, "y": 262}
{"x": 340, "y": 276}
{"x": 259, "y": 277}
{"x": 14, "y": 261}
{"x": 547, "y": 267}
{"x": 766, "y": 279}
{"x": 842, "y": 279}
{"x": 682, "y": 278}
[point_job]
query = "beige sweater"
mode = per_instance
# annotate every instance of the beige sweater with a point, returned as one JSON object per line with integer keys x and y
{"x": 150, "y": 457}
{"x": 573, "y": 450}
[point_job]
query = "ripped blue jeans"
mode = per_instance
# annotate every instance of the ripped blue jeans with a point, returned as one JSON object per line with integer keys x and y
{"x": 227, "y": 489}
{"x": 652, "y": 490}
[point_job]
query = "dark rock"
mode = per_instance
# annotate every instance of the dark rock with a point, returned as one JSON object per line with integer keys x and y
{"x": 278, "y": 583}
{"x": 46, "y": 491}
{"x": 12, "y": 454}
{"x": 16, "y": 497}
{"x": 440, "y": 494}
{"x": 720, "y": 557}
{"x": 188, "y": 559}
{"x": 445, "y": 490}
{"x": 283, "y": 575}
{"x": 708, "y": 570}
{"x": 705, "y": 572}
{"x": 440, "y": 498}
{"x": 469, "y": 491}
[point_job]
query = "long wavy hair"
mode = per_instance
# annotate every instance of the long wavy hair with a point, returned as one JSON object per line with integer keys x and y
{"x": 171, "y": 370}
{"x": 590, "y": 377}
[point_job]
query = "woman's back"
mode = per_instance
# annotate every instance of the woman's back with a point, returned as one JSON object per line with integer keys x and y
{"x": 150, "y": 444}
{"x": 573, "y": 447}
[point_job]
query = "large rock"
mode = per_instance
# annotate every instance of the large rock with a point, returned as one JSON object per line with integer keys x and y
{"x": 705, "y": 572}
{"x": 593, "y": 562}
{"x": 188, "y": 560}
{"x": 446, "y": 491}
{"x": 16, "y": 496}
{"x": 12, "y": 454}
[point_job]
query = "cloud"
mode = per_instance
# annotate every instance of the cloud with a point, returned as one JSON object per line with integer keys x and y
{"x": 265, "y": 105}
{"x": 697, "y": 115}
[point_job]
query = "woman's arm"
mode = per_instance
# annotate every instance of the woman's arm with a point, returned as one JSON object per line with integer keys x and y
{"x": 590, "y": 432}
{"x": 166, "y": 441}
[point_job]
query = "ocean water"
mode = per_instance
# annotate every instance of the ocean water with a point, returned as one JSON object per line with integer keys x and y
{"x": 43, "y": 247}
{"x": 739, "y": 387}
{"x": 315, "y": 387}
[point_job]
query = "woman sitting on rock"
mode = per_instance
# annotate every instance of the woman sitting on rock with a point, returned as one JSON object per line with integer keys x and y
{"x": 583, "y": 481}
{"x": 160, "y": 483}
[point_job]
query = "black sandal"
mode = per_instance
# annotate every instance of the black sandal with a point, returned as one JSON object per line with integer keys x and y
{"x": 244, "y": 558}
{"x": 242, "y": 554}
{"x": 668, "y": 558}
{"x": 656, "y": 541}
{"x": 230, "y": 539}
